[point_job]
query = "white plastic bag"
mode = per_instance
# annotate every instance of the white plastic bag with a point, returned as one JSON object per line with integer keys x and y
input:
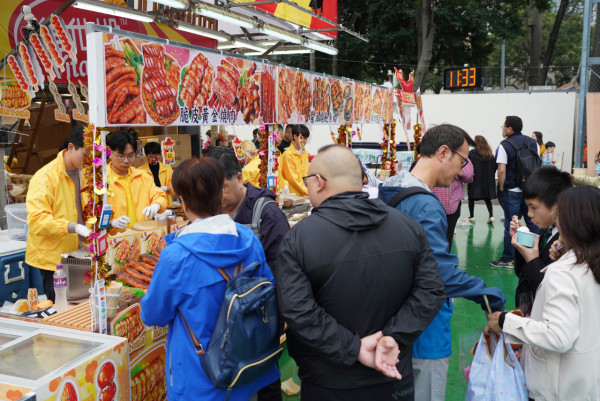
{"x": 498, "y": 377}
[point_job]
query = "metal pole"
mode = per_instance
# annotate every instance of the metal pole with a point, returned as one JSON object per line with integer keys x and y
{"x": 583, "y": 82}
{"x": 502, "y": 65}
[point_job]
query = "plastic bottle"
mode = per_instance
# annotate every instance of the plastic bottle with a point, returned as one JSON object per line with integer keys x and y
{"x": 60, "y": 289}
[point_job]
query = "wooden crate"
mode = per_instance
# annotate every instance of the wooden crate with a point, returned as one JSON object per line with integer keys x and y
{"x": 77, "y": 317}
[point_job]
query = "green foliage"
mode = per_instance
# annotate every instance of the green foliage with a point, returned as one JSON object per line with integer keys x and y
{"x": 566, "y": 56}
{"x": 467, "y": 32}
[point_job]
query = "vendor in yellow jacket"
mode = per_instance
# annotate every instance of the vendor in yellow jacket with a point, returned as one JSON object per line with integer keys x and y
{"x": 134, "y": 196}
{"x": 54, "y": 211}
{"x": 293, "y": 164}
{"x": 251, "y": 171}
{"x": 161, "y": 173}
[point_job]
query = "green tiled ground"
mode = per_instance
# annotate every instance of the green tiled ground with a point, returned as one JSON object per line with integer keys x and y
{"x": 475, "y": 245}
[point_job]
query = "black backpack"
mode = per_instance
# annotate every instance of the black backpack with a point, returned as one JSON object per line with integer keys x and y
{"x": 528, "y": 160}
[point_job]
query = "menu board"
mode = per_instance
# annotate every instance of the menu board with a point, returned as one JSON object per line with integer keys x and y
{"x": 141, "y": 81}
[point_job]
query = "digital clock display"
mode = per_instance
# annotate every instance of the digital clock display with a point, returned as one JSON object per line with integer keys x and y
{"x": 462, "y": 78}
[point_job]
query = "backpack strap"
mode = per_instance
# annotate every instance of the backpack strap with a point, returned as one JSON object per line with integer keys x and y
{"x": 259, "y": 205}
{"x": 333, "y": 266}
{"x": 405, "y": 193}
{"x": 513, "y": 144}
{"x": 197, "y": 346}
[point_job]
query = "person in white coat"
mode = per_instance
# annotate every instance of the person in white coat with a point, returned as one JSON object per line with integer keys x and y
{"x": 561, "y": 353}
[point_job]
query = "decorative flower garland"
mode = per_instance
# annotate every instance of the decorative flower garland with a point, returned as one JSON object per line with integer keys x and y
{"x": 385, "y": 144}
{"x": 263, "y": 152}
{"x": 417, "y": 139}
{"x": 344, "y": 136}
{"x": 392, "y": 139}
{"x": 93, "y": 190}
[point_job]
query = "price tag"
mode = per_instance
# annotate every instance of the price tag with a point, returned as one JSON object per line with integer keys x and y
{"x": 105, "y": 216}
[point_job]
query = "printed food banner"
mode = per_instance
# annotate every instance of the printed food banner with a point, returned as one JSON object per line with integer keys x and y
{"x": 147, "y": 83}
{"x": 147, "y": 354}
{"x": 70, "y": 32}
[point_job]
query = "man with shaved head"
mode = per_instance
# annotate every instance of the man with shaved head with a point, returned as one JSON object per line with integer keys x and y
{"x": 354, "y": 297}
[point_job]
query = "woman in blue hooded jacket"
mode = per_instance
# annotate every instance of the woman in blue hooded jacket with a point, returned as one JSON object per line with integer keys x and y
{"x": 187, "y": 280}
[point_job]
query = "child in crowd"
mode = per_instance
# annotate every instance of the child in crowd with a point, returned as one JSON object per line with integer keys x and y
{"x": 540, "y": 193}
{"x": 547, "y": 155}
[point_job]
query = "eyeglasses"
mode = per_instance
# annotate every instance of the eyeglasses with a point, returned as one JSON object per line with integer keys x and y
{"x": 123, "y": 157}
{"x": 466, "y": 161}
{"x": 305, "y": 179}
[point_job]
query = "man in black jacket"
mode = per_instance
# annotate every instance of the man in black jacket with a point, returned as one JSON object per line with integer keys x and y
{"x": 342, "y": 316}
{"x": 238, "y": 201}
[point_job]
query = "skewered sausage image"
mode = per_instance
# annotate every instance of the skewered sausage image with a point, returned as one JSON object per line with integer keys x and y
{"x": 123, "y": 101}
{"x": 160, "y": 79}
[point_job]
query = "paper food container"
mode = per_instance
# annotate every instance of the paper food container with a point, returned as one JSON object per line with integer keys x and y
{"x": 122, "y": 247}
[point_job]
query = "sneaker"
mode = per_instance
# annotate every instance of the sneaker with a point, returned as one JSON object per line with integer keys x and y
{"x": 503, "y": 264}
{"x": 491, "y": 220}
{"x": 471, "y": 219}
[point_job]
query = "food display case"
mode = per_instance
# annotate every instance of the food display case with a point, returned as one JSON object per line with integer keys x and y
{"x": 61, "y": 364}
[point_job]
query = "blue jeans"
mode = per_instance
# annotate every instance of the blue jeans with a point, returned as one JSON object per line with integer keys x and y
{"x": 513, "y": 205}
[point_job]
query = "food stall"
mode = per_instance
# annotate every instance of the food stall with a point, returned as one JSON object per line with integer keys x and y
{"x": 154, "y": 84}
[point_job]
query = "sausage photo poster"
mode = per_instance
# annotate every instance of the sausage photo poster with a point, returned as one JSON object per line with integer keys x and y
{"x": 145, "y": 82}
{"x": 150, "y": 83}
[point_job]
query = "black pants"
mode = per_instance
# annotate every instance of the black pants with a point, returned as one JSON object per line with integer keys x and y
{"x": 452, "y": 220}
{"x": 48, "y": 282}
{"x": 488, "y": 204}
{"x": 398, "y": 390}
{"x": 272, "y": 392}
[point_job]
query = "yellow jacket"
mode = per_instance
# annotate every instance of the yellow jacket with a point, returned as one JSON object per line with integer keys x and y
{"x": 51, "y": 206}
{"x": 165, "y": 175}
{"x": 251, "y": 172}
{"x": 293, "y": 167}
{"x": 143, "y": 192}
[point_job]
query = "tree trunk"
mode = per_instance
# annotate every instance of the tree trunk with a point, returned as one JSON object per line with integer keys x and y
{"x": 552, "y": 39}
{"x": 426, "y": 33}
{"x": 535, "y": 44}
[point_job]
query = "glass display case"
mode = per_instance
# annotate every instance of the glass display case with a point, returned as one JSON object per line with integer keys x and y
{"x": 62, "y": 364}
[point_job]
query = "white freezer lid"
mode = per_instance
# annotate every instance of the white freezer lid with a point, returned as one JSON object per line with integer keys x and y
{"x": 8, "y": 246}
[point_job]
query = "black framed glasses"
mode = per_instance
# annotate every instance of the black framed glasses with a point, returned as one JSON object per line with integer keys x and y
{"x": 465, "y": 162}
{"x": 121, "y": 157}
{"x": 305, "y": 178}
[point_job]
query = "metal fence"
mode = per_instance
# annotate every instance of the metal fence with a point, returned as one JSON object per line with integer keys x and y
{"x": 594, "y": 49}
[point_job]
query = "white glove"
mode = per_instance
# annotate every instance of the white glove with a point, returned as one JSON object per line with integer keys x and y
{"x": 120, "y": 223}
{"x": 164, "y": 188}
{"x": 151, "y": 211}
{"x": 82, "y": 230}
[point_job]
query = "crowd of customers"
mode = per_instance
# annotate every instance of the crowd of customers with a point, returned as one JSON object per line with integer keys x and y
{"x": 367, "y": 315}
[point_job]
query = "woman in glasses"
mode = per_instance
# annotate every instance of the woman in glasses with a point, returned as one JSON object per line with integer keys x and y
{"x": 134, "y": 196}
